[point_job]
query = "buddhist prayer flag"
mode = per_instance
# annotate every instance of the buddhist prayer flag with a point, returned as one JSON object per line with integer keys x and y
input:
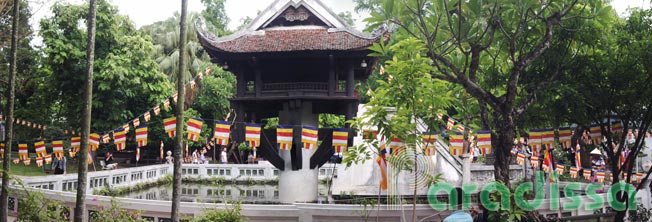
{"x": 520, "y": 158}
{"x": 547, "y": 159}
{"x": 578, "y": 156}
{"x": 147, "y": 116}
{"x": 616, "y": 126}
{"x": 565, "y": 135}
{"x": 157, "y": 110}
{"x": 340, "y": 139}
{"x": 22, "y": 151}
{"x": 93, "y": 141}
{"x": 381, "y": 71}
{"x": 136, "y": 122}
{"x": 369, "y": 134}
{"x": 440, "y": 115}
{"x": 57, "y": 148}
{"x": 48, "y": 159}
{"x": 460, "y": 128}
{"x": 174, "y": 97}
{"x": 430, "y": 143}
{"x": 309, "y": 137}
{"x": 284, "y": 137}
{"x": 170, "y": 125}
{"x": 106, "y": 138}
{"x": 457, "y": 142}
{"x": 192, "y": 84}
{"x": 450, "y": 124}
{"x": 548, "y": 138}
{"x": 484, "y": 141}
{"x": 90, "y": 158}
{"x": 596, "y": 134}
{"x": 75, "y": 144}
{"x": 222, "y": 132}
{"x": 382, "y": 164}
{"x": 39, "y": 147}
{"x": 166, "y": 103}
{"x": 639, "y": 177}
{"x": 587, "y": 174}
{"x": 396, "y": 146}
{"x": 194, "y": 128}
{"x": 39, "y": 161}
{"x": 137, "y": 154}
{"x": 535, "y": 140}
{"x": 2, "y": 151}
{"x": 560, "y": 169}
{"x": 119, "y": 139}
{"x": 252, "y": 134}
{"x": 141, "y": 136}
{"x": 573, "y": 172}
{"x": 126, "y": 128}
{"x": 534, "y": 161}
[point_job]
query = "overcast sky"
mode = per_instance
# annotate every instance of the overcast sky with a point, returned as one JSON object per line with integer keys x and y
{"x": 144, "y": 12}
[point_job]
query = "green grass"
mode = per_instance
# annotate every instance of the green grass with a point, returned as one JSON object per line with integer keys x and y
{"x": 33, "y": 170}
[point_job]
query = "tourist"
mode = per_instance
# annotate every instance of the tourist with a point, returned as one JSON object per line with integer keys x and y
{"x": 169, "y": 159}
{"x": 59, "y": 164}
{"x": 459, "y": 215}
{"x": 109, "y": 162}
{"x": 223, "y": 156}
{"x": 202, "y": 156}
{"x": 195, "y": 157}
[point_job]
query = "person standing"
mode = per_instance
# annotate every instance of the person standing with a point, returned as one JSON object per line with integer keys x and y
{"x": 223, "y": 156}
{"x": 59, "y": 164}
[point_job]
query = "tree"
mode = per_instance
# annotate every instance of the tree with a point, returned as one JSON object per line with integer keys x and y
{"x": 400, "y": 106}
{"x": 347, "y": 17}
{"x": 4, "y": 194}
{"x": 123, "y": 87}
{"x": 613, "y": 77}
{"x": 488, "y": 48}
{"x": 82, "y": 168}
{"x": 215, "y": 16}
{"x": 176, "y": 186}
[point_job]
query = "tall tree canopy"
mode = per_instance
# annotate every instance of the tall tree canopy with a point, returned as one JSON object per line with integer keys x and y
{"x": 493, "y": 50}
{"x": 127, "y": 81}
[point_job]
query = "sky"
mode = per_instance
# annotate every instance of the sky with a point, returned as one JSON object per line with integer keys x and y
{"x": 144, "y": 12}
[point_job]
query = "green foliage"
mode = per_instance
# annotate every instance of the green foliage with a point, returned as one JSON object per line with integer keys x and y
{"x": 228, "y": 214}
{"x": 215, "y": 16}
{"x": 327, "y": 120}
{"x": 347, "y": 17}
{"x": 123, "y": 87}
{"x": 114, "y": 213}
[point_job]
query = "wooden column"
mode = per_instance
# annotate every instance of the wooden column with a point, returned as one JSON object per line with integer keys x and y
{"x": 259, "y": 81}
{"x": 240, "y": 78}
{"x": 331, "y": 76}
{"x": 350, "y": 81}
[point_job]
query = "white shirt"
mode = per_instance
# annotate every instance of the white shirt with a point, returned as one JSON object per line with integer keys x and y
{"x": 223, "y": 157}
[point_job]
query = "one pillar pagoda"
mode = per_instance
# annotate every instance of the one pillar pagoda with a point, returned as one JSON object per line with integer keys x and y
{"x": 296, "y": 60}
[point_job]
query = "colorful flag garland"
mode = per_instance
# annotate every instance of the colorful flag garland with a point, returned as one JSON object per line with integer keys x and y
{"x": 194, "y": 128}
{"x": 284, "y": 136}
{"x": 170, "y": 125}
{"x": 252, "y": 134}
{"x": 222, "y": 131}
{"x": 141, "y": 136}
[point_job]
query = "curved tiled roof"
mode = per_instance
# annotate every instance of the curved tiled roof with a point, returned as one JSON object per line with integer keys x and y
{"x": 285, "y": 40}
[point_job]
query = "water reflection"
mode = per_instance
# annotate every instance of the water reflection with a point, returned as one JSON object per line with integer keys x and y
{"x": 209, "y": 193}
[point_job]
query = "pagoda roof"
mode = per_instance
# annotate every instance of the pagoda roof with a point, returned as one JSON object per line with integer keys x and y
{"x": 292, "y": 25}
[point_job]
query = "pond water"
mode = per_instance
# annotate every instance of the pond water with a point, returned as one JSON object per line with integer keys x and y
{"x": 209, "y": 193}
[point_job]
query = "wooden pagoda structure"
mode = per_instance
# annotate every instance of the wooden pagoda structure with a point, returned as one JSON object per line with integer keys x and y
{"x": 294, "y": 61}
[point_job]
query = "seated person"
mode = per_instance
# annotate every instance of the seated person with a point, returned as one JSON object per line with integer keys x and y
{"x": 109, "y": 162}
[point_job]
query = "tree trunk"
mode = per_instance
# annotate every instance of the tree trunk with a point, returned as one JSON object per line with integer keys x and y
{"x": 4, "y": 194}
{"x": 502, "y": 145}
{"x": 82, "y": 168}
{"x": 176, "y": 186}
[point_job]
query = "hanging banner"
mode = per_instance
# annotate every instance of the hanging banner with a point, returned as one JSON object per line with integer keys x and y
{"x": 126, "y": 128}
{"x": 284, "y": 136}
{"x": 534, "y": 161}
{"x": 587, "y": 174}
{"x": 141, "y": 136}
{"x": 22, "y": 151}
{"x": 573, "y": 172}
{"x": 39, "y": 147}
{"x": 396, "y": 146}
{"x": 170, "y": 125}
{"x": 93, "y": 141}
{"x": 616, "y": 126}
{"x": 252, "y": 134}
{"x": 430, "y": 143}
{"x": 548, "y": 138}
{"x": 600, "y": 175}
{"x": 147, "y": 116}
{"x": 57, "y": 148}
{"x": 222, "y": 132}
{"x": 309, "y": 137}
{"x": 457, "y": 143}
{"x": 369, "y": 135}
{"x": 157, "y": 110}
{"x": 450, "y": 123}
{"x": 565, "y": 135}
{"x": 520, "y": 158}
{"x": 119, "y": 139}
{"x": 136, "y": 122}
{"x": 484, "y": 141}
{"x": 166, "y": 104}
{"x": 137, "y": 154}
{"x": 560, "y": 169}
{"x": 75, "y": 144}
{"x": 194, "y": 128}
{"x": 2, "y": 151}
{"x": 340, "y": 139}
{"x": 535, "y": 140}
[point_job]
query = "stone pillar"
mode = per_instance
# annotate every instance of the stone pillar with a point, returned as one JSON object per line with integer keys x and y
{"x": 298, "y": 185}
{"x": 466, "y": 168}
